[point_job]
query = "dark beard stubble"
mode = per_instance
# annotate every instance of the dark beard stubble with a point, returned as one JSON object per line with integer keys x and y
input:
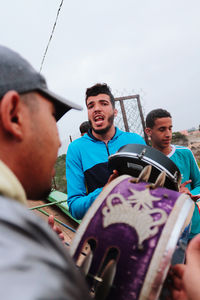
{"x": 104, "y": 130}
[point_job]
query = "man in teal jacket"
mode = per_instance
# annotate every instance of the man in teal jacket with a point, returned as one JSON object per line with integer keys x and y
{"x": 87, "y": 168}
{"x": 159, "y": 130}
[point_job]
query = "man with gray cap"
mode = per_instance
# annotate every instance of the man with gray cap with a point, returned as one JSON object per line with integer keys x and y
{"x": 33, "y": 262}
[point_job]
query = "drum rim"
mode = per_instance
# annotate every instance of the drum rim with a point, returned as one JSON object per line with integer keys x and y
{"x": 179, "y": 213}
{"x": 148, "y": 150}
{"x": 146, "y": 159}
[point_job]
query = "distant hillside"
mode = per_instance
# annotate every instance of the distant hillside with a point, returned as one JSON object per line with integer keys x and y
{"x": 194, "y": 144}
{"x": 192, "y": 141}
{"x": 59, "y": 181}
{"x": 179, "y": 139}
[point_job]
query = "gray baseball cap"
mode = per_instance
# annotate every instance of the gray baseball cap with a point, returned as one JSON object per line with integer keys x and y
{"x": 17, "y": 74}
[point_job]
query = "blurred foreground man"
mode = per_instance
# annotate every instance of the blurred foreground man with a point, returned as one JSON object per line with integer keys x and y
{"x": 33, "y": 262}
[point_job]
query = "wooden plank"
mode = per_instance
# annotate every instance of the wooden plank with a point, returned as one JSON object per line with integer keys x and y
{"x": 56, "y": 212}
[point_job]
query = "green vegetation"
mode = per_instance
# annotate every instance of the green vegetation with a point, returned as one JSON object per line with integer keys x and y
{"x": 59, "y": 181}
{"x": 177, "y": 137}
{"x": 198, "y": 162}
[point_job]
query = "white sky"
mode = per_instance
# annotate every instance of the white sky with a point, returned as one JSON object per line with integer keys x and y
{"x": 146, "y": 47}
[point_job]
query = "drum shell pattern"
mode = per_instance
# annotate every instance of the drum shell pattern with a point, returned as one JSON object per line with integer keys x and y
{"x": 133, "y": 260}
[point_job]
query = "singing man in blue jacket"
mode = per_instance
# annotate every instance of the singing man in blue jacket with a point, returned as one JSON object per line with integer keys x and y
{"x": 87, "y": 168}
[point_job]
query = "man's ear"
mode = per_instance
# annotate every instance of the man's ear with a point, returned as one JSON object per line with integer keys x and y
{"x": 11, "y": 114}
{"x": 148, "y": 131}
{"x": 115, "y": 112}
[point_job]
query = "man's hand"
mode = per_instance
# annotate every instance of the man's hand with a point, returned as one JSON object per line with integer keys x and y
{"x": 55, "y": 228}
{"x": 177, "y": 289}
{"x": 186, "y": 277}
{"x": 112, "y": 177}
{"x": 192, "y": 270}
{"x": 185, "y": 190}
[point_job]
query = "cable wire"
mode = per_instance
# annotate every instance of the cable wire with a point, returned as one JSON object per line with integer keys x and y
{"x": 52, "y": 32}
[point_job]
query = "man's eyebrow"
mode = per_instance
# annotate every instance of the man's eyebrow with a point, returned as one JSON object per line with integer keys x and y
{"x": 104, "y": 100}
{"x": 90, "y": 102}
{"x": 163, "y": 127}
{"x": 101, "y": 100}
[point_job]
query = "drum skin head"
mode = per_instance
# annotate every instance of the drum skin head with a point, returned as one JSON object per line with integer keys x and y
{"x": 132, "y": 231}
{"x": 132, "y": 158}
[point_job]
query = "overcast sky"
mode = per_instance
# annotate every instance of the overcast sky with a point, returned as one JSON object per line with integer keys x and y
{"x": 146, "y": 47}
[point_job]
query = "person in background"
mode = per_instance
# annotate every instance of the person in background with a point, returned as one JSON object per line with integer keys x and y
{"x": 84, "y": 127}
{"x": 159, "y": 130}
{"x": 34, "y": 264}
{"x": 87, "y": 169}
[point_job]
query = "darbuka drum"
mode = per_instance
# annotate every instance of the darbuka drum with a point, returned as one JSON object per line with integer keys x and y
{"x": 132, "y": 158}
{"x": 132, "y": 231}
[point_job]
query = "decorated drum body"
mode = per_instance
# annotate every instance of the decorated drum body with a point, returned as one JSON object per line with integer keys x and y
{"x": 137, "y": 228}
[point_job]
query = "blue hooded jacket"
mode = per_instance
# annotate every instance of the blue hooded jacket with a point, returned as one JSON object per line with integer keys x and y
{"x": 87, "y": 168}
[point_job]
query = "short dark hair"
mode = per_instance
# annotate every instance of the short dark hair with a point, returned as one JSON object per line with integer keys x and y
{"x": 156, "y": 114}
{"x": 100, "y": 88}
{"x": 30, "y": 100}
{"x": 84, "y": 127}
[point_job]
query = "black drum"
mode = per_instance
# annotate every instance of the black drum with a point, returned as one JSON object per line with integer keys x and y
{"x": 132, "y": 158}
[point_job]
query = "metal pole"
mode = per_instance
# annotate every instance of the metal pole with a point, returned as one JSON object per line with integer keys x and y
{"x": 142, "y": 119}
{"x": 124, "y": 116}
{"x": 47, "y": 204}
{"x": 55, "y": 219}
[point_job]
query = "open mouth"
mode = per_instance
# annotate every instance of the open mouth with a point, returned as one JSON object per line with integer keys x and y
{"x": 98, "y": 120}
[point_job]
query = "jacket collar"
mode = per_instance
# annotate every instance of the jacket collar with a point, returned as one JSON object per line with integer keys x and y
{"x": 10, "y": 185}
{"x": 94, "y": 138}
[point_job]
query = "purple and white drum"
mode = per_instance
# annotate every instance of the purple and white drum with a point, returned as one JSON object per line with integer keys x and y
{"x": 132, "y": 231}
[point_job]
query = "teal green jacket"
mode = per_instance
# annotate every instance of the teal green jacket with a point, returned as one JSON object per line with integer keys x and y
{"x": 185, "y": 161}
